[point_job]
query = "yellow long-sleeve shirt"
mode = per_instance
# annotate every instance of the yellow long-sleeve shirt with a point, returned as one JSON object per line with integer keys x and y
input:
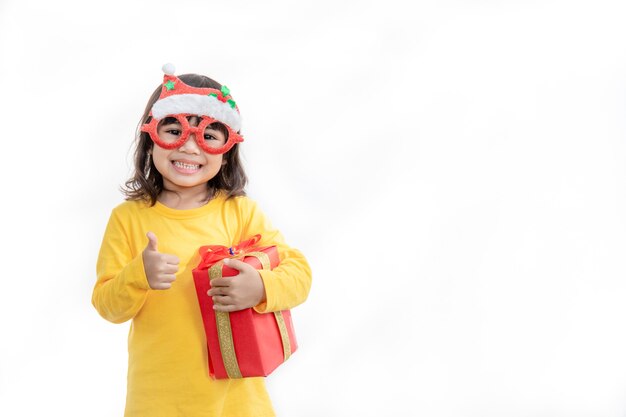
{"x": 168, "y": 362}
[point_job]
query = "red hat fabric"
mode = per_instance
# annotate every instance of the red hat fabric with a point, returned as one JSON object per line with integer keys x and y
{"x": 179, "y": 98}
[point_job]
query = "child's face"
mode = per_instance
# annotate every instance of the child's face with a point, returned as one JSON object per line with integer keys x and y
{"x": 188, "y": 166}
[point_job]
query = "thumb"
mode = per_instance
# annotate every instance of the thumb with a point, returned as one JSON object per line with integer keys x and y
{"x": 236, "y": 264}
{"x": 152, "y": 242}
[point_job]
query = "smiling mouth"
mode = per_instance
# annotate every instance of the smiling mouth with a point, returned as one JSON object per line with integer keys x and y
{"x": 181, "y": 166}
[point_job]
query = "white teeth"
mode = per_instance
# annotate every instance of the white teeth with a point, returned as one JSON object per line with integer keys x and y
{"x": 186, "y": 166}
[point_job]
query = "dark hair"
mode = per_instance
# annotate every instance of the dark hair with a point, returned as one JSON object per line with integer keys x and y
{"x": 147, "y": 182}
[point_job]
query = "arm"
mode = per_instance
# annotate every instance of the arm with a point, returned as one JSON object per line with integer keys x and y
{"x": 122, "y": 287}
{"x": 289, "y": 283}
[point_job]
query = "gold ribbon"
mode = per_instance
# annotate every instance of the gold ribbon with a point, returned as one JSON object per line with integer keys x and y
{"x": 224, "y": 331}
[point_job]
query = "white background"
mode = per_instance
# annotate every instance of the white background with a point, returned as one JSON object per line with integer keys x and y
{"x": 455, "y": 172}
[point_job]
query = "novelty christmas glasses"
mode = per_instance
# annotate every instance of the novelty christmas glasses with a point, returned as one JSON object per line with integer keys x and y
{"x": 179, "y": 100}
{"x": 174, "y": 130}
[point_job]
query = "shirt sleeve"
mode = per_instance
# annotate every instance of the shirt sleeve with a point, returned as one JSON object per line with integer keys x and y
{"x": 287, "y": 285}
{"x": 122, "y": 287}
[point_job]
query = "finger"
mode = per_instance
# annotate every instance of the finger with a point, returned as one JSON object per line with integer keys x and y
{"x": 171, "y": 259}
{"x": 168, "y": 278}
{"x": 152, "y": 242}
{"x": 219, "y": 291}
{"x": 237, "y": 264}
{"x": 223, "y": 300}
{"x": 226, "y": 308}
{"x": 162, "y": 286}
{"x": 170, "y": 269}
{"x": 220, "y": 282}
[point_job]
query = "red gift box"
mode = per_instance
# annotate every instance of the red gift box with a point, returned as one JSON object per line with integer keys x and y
{"x": 242, "y": 343}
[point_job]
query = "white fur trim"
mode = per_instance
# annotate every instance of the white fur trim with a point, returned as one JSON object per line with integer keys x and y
{"x": 169, "y": 69}
{"x": 200, "y": 105}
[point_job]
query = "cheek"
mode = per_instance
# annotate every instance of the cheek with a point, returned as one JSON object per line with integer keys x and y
{"x": 159, "y": 157}
{"x": 214, "y": 161}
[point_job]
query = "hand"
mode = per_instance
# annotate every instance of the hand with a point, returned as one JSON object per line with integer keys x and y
{"x": 239, "y": 292}
{"x": 160, "y": 268}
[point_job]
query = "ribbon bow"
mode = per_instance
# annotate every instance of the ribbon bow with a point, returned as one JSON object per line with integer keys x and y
{"x": 211, "y": 254}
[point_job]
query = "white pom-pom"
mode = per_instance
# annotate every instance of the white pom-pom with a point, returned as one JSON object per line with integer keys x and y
{"x": 169, "y": 69}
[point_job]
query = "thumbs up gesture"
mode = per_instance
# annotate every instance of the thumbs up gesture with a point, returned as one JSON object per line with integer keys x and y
{"x": 160, "y": 267}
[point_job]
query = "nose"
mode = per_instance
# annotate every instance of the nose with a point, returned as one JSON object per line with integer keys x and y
{"x": 190, "y": 145}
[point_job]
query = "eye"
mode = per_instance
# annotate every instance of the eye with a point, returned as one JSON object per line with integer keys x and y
{"x": 171, "y": 130}
{"x": 212, "y": 135}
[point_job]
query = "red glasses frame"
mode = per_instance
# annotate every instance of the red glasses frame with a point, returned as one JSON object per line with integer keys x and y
{"x": 198, "y": 131}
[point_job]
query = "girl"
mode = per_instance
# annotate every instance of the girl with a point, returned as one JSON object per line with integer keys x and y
{"x": 187, "y": 191}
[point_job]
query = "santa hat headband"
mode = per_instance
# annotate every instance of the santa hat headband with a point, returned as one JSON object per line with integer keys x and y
{"x": 179, "y": 98}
